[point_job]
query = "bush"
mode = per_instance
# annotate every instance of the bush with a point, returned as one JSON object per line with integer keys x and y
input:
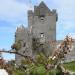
{"x": 41, "y": 59}
{"x": 41, "y": 70}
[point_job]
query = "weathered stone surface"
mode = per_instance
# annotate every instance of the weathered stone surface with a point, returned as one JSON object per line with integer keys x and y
{"x": 42, "y": 25}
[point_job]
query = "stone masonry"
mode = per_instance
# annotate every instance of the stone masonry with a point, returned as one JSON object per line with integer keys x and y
{"x": 41, "y": 30}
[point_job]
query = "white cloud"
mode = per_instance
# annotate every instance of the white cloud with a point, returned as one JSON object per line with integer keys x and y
{"x": 14, "y": 13}
{"x": 66, "y": 17}
{"x": 12, "y": 10}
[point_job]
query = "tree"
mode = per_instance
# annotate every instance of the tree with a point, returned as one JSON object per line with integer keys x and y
{"x": 43, "y": 65}
{"x": 16, "y": 45}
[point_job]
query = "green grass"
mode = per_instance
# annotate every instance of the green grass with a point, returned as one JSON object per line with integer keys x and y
{"x": 70, "y": 66}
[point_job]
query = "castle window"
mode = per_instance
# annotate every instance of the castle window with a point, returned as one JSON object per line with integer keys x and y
{"x": 42, "y": 38}
{"x": 41, "y": 35}
{"x": 42, "y": 17}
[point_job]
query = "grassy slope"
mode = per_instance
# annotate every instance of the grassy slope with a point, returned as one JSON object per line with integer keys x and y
{"x": 70, "y": 66}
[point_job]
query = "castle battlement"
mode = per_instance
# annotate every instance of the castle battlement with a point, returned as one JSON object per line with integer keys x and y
{"x": 21, "y": 28}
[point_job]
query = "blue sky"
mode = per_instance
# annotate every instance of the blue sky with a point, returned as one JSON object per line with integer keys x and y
{"x": 13, "y": 13}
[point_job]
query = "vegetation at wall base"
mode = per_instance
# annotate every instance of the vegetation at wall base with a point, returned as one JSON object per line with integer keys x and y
{"x": 70, "y": 66}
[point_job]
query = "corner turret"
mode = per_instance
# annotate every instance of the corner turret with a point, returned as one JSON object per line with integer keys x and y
{"x": 20, "y": 29}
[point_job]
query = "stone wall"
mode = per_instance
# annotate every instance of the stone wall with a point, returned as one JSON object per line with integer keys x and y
{"x": 42, "y": 26}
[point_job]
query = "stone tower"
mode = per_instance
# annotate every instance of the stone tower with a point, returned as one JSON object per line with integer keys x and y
{"x": 42, "y": 23}
{"x": 41, "y": 30}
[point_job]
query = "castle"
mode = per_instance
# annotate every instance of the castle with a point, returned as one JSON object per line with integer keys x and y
{"x": 40, "y": 31}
